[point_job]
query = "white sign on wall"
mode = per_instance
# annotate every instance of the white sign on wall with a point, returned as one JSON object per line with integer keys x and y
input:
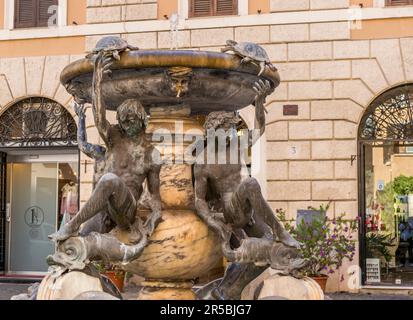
{"x": 373, "y": 270}
{"x": 380, "y": 185}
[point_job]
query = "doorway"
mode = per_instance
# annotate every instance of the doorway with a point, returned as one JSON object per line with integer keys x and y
{"x": 386, "y": 190}
{"x": 41, "y": 194}
{"x": 388, "y": 221}
{"x": 39, "y": 173}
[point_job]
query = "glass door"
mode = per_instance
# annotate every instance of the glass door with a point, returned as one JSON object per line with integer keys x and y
{"x": 388, "y": 214}
{"x": 33, "y": 209}
{"x": 43, "y": 195}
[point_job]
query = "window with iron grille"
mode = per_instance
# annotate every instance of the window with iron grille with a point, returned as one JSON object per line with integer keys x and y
{"x": 37, "y": 122}
{"x": 207, "y": 8}
{"x": 33, "y": 13}
{"x": 389, "y": 117}
{"x": 392, "y": 3}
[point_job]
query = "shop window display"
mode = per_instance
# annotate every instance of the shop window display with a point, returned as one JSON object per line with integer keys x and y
{"x": 68, "y": 192}
{"x": 389, "y": 216}
{"x": 386, "y": 199}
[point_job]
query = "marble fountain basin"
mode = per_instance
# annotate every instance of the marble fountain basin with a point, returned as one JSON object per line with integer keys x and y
{"x": 182, "y": 248}
{"x": 211, "y": 81}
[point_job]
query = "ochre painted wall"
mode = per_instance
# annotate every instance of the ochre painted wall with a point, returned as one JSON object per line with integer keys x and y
{"x": 255, "y": 5}
{"x": 42, "y": 47}
{"x": 76, "y": 11}
{"x": 384, "y": 28}
{"x": 167, "y": 7}
{"x": 402, "y": 164}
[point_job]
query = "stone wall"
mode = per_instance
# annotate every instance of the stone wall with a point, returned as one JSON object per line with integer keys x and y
{"x": 101, "y": 11}
{"x": 33, "y": 76}
{"x": 302, "y": 5}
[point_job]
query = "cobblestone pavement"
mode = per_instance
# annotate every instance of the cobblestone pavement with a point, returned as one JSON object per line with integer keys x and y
{"x": 7, "y": 290}
{"x": 364, "y": 296}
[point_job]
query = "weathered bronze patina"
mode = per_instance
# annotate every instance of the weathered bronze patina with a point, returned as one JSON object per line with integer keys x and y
{"x": 238, "y": 212}
{"x": 111, "y": 45}
{"x": 129, "y": 160}
{"x": 251, "y": 52}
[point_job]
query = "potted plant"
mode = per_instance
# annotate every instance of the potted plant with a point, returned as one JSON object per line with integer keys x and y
{"x": 403, "y": 185}
{"x": 326, "y": 243}
{"x": 377, "y": 246}
{"x": 113, "y": 272}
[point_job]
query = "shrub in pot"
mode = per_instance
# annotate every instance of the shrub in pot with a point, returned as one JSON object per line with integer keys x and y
{"x": 326, "y": 243}
{"x": 114, "y": 273}
{"x": 403, "y": 185}
{"x": 377, "y": 246}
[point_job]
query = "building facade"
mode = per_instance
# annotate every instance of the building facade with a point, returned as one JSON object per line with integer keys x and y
{"x": 342, "y": 63}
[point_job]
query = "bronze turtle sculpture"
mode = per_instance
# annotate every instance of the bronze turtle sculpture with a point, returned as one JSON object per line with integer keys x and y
{"x": 112, "y": 45}
{"x": 250, "y": 52}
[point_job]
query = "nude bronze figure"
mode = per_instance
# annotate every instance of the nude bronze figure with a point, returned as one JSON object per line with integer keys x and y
{"x": 129, "y": 160}
{"x": 239, "y": 212}
{"x": 101, "y": 222}
{"x": 239, "y": 201}
{"x": 93, "y": 151}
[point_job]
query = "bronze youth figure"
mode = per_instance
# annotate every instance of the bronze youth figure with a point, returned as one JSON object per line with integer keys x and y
{"x": 129, "y": 159}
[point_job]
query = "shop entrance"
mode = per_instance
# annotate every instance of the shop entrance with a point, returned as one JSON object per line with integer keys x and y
{"x": 38, "y": 181}
{"x": 42, "y": 192}
{"x": 386, "y": 190}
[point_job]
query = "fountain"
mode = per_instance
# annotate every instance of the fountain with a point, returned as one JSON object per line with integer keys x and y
{"x": 174, "y": 87}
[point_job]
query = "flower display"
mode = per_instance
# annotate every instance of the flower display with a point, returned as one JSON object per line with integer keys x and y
{"x": 326, "y": 243}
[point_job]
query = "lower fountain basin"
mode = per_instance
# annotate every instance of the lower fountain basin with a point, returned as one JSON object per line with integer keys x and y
{"x": 182, "y": 248}
{"x": 206, "y": 81}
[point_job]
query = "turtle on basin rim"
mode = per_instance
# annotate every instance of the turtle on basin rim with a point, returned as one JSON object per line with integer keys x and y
{"x": 250, "y": 52}
{"x": 111, "y": 44}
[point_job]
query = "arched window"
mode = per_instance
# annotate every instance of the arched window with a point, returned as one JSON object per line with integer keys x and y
{"x": 390, "y": 116}
{"x": 37, "y": 122}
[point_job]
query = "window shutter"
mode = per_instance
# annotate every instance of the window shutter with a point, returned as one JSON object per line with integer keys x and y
{"x": 33, "y": 13}
{"x": 43, "y": 12}
{"x": 226, "y": 7}
{"x": 201, "y": 8}
{"x": 25, "y": 14}
{"x": 399, "y": 2}
{"x": 205, "y": 8}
